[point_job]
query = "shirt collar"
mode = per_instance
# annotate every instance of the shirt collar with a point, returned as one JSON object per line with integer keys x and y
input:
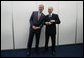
{"x": 40, "y": 12}
{"x": 50, "y": 14}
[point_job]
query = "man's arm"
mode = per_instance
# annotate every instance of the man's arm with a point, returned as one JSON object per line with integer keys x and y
{"x": 42, "y": 23}
{"x": 57, "y": 20}
{"x": 31, "y": 19}
{"x": 45, "y": 21}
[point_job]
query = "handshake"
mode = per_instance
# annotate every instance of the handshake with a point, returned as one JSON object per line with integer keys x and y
{"x": 35, "y": 27}
{"x": 51, "y": 21}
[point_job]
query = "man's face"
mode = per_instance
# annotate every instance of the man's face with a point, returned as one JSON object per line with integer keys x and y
{"x": 41, "y": 8}
{"x": 50, "y": 10}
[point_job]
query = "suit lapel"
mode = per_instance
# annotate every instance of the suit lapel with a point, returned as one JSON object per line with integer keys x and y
{"x": 41, "y": 16}
{"x": 52, "y": 15}
{"x": 37, "y": 16}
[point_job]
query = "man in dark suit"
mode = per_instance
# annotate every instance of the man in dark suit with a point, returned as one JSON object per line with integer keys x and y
{"x": 50, "y": 21}
{"x": 36, "y": 23}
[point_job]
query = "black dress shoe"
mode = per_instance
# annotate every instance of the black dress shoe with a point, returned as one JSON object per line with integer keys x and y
{"x": 53, "y": 53}
{"x": 28, "y": 54}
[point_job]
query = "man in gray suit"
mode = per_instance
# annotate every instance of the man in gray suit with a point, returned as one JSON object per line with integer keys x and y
{"x": 36, "y": 23}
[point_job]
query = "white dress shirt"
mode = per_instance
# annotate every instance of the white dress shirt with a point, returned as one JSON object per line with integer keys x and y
{"x": 50, "y": 15}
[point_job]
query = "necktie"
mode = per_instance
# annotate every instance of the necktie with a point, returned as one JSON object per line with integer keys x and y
{"x": 38, "y": 16}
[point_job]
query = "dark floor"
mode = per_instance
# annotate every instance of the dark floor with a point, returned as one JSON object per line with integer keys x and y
{"x": 61, "y": 51}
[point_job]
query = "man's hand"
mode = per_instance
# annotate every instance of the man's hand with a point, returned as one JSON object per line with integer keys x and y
{"x": 35, "y": 28}
{"x": 46, "y": 23}
{"x": 52, "y": 21}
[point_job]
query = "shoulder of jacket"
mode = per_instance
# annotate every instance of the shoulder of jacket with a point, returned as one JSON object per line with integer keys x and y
{"x": 55, "y": 14}
{"x": 35, "y": 11}
{"x": 43, "y": 14}
{"x": 46, "y": 15}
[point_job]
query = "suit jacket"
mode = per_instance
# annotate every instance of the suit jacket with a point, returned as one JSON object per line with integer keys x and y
{"x": 34, "y": 20}
{"x": 52, "y": 27}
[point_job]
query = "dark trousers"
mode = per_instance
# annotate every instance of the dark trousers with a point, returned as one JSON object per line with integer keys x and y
{"x": 47, "y": 34}
{"x": 31, "y": 35}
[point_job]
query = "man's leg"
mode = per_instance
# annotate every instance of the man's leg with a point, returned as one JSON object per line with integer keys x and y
{"x": 37, "y": 33}
{"x": 53, "y": 43}
{"x": 31, "y": 35}
{"x": 46, "y": 41}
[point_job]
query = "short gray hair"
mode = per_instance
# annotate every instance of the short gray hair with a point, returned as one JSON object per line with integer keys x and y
{"x": 41, "y": 5}
{"x": 50, "y": 7}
